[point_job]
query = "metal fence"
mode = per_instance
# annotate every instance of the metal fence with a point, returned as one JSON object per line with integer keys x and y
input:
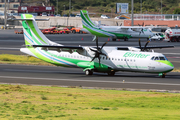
{"x": 156, "y": 17}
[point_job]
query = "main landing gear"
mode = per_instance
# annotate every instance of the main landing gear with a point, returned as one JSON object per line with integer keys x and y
{"x": 111, "y": 73}
{"x": 88, "y": 72}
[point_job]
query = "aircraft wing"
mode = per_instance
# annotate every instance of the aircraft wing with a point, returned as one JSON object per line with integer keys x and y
{"x": 59, "y": 48}
{"x": 142, "y": 47}
{"x": 157, "y": 47}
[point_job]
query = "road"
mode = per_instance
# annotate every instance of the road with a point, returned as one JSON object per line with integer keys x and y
{"x": 43, "y": 75}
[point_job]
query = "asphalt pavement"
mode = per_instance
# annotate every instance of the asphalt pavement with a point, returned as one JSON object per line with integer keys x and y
{"x": 46, "y": 75}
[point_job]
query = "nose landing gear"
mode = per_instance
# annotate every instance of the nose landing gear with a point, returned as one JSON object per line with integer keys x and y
{"x": 162, "y": 75}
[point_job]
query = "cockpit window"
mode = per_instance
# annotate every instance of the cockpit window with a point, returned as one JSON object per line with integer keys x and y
{"x": 162, "y": 58}
{"x": 152, "y": 58}
{"x": 159, "y": 58}
{"x": 156, "y": 58}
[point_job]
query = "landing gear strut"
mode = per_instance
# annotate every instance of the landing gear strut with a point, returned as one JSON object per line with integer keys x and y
{"x": 88, "y": 72}
{"x": 111, "y": 73}
{"x": 114, "y": 39}
{"x": 125, "y": 39}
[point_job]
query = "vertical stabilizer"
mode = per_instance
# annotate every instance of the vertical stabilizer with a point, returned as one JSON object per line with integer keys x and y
{"x": 86, "y": 21}
{"x": 32, "y": 34}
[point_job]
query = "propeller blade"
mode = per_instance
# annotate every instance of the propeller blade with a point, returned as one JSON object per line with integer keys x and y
{"x": 146, "y": 45}
{"x": 116, "y": 23}
{"x": 143, "y": 24}
{"x": 93, "y": 58}
{"x": 94, "y": 38}
{"x": 120, "y": 24}
{"x": 99, "y": 61}
{"x": 93, "y": 50}
{"x": 103, "y": 45}
{"x": 142, "y": 30}
{"x": 140, "y": 44}
{"x": 97, "y": 43}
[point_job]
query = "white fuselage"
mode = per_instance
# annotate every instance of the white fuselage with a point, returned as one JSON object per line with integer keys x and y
{"x": 117, "y": 59}
{"x": 133, "y": 31}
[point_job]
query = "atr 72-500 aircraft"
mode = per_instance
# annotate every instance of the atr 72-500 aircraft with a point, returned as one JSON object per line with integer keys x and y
{"x": 114, "y": 32}
{"x": 92, "y": 59}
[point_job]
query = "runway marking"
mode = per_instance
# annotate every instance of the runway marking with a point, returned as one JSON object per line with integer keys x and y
{"x": 172, "y": 53}
{"x": 9, "y": 48}
{"x": 97, "y": 81}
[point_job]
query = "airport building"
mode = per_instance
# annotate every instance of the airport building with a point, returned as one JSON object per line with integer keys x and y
{"x": 27, "y": 6}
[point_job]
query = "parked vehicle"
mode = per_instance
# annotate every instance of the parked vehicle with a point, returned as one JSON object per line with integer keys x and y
{"x": 78, "y": 15}
{"x": 65, "y": 15}
{"x": 122, "y": 17}
{"x": 18, "y": 32}
{"x": 58, "y": 15}
{"x": 44, "y": 14}
{"x": 172, "y": 35}
{"x": 54, "y": 30}
{"x": 77, "y": 30}
{"x": 105, "y": 16}
{"x": 72, "y": 15}
{"x": 157, "y": 37}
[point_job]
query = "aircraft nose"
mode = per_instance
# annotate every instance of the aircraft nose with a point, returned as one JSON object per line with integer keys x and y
{"x": 169, "y": 66}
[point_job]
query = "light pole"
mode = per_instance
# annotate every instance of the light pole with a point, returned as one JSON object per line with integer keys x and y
{"x": 64, "y": 9}
{"x": 69, "y": 6}
{"x": 132, "y": 14}
{"x": 111, "y": 12}
{"x": 161, "y": 9}
{"x": 72, "y": 8}
{"x": 141, "y": 6}
{"x": 57, "y": 7}
{"x": 5, "y": 15}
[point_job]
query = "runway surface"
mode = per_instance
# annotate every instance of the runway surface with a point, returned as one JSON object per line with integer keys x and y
{"x": 42, "y": 75}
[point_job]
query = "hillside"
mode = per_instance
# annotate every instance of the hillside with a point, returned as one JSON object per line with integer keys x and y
{"x": 105, "y": 6}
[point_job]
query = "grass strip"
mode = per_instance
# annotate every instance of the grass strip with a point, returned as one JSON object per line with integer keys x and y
{"x": 30, "y": 60}
{"x": 21, "y": 59}
{"x": 55, "y": 103}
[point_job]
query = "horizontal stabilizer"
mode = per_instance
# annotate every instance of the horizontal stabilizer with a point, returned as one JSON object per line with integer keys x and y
{"x": 32, "y": 19}
{"x": 52, "y": 46}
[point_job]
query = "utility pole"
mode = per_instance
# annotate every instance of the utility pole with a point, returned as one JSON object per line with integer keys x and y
{"x": 57, "y": 7}
{"x": 69, "y": 7}
{"x": 141, "y": 6}
{"x": 5, "y": 15}
{"x": 132, "y": 14}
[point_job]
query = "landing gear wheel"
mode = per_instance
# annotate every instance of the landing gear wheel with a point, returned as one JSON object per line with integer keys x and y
{"x": 125, "y": 39}
{"x": 111, "y": 73}
{"x": 88, "y": 72}
{"x": 163, "y": 75}
{"x": 113, "y": 39}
